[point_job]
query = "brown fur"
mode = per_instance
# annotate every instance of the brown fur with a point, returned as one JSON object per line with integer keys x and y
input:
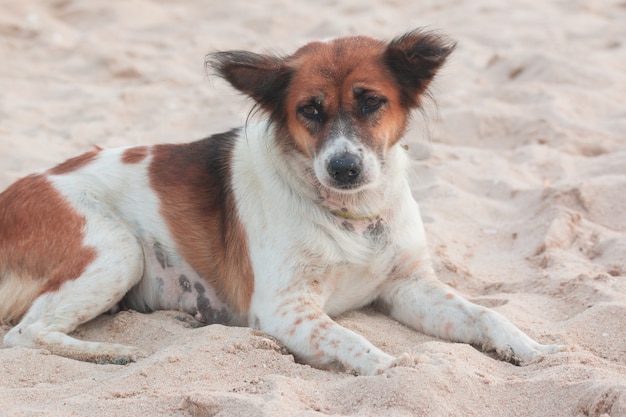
{"x": 75, "y": 163}
{"x": 193, "y": 184}
{"x": 32, "y": 218}
{"x": 334, "y": 75}
{"x": 135, "y": 155}
{"x": 331, "y": 77}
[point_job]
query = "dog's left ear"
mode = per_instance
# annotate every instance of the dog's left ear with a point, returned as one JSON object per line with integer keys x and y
{"x": 414, "y": 59}
{"x": 262, "y": 77}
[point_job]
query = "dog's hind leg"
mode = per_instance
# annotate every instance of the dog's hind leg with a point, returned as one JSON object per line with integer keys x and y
{"x": 117, "y": 266}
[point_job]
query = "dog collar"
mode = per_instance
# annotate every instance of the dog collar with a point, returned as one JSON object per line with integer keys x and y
{"x": 350, "y": 216}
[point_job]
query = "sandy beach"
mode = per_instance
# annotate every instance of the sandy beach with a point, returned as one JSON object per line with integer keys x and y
{"x": 519, "y": 167}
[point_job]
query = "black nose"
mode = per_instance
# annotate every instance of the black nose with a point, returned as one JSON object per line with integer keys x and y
{"x": 345, "y": 168}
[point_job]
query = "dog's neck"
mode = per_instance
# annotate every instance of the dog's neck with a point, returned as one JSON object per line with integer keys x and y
{"x": 363, "y": 206}
{"x": 349, "y": 216}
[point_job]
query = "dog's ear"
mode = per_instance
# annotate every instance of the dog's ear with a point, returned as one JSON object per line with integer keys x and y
{"x": 414, "y": 59}
{"x": 262, "y": 77}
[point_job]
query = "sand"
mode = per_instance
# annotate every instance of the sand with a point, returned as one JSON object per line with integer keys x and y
{"x": 519, "y": 167}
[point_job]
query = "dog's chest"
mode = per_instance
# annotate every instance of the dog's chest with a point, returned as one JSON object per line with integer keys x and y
{"x": 363, "y": 259}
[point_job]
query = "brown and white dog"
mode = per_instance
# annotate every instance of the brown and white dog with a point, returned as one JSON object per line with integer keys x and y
{"x": 279, "y": 226}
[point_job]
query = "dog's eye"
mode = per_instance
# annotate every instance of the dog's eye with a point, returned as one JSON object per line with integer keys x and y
{"x": 371, "y": 104}
{"x": 310, "y": 112}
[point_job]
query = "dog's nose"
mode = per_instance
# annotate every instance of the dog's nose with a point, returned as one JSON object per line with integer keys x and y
{"x": 345, "y": 168}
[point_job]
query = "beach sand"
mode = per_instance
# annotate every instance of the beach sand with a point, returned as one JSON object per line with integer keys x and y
{"x": 519, "y": 168}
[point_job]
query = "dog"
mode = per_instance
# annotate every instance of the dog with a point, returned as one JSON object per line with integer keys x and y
{"x": 300, "y": 216}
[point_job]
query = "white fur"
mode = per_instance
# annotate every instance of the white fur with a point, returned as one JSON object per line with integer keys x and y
{"x": 117, "y": 267}
{"x": 308, "y": 268}
{"x": 371, "y": 165}
{"x": 123, "y": 222}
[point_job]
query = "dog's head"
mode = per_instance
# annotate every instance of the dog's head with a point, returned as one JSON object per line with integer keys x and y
{"x": 342, "y": 103}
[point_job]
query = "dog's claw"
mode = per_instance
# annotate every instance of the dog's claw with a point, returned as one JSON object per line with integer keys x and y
{"x": 405, "y": 359}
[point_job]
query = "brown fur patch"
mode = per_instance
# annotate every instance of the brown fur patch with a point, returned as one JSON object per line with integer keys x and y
{"x": 337, "y": 77}
{"x": 135, "y": 155}
{"x": 326, "y": 85}
{"x": 193, "y": 184}
{"x": 75, "y": 163}
{"x": 41, "y": 244}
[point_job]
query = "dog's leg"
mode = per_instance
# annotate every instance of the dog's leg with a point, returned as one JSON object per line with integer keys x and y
{"x": 314, "y": 338}
{"x": 117, "y": 267}
{"x": 424, "y": 303}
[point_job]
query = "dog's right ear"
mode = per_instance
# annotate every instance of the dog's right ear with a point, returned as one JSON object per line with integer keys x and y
{"x": 262, "y": 77}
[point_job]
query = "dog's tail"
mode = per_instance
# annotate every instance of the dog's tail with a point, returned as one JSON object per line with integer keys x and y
{"x": 17, "y": 294}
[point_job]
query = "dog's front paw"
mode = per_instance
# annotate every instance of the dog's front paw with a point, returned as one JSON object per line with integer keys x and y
{"x": 510, "y": 343}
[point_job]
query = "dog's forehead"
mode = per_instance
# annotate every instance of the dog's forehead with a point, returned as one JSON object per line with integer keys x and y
{"x": 340, "y": 46}
{"x": 351, "y": 62}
